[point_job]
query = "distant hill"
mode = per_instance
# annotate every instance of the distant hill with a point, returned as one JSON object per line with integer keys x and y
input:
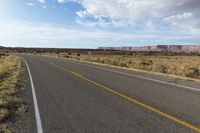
{"x": 159, "y": 48}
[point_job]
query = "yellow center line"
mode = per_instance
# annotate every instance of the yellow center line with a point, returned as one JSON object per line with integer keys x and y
{"x": 193, "y": 127}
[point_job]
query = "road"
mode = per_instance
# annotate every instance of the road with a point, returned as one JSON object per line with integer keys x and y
{"x": 77, "y": 97}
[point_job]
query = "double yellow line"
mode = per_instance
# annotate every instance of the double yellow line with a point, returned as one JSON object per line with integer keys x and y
{"x": 193, "y": 127}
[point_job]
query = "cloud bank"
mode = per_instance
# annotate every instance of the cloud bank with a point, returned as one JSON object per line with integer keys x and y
{"x": 32, "y": 34}
{"x": 42, "y": 1}
{"x": 140, "y": 13}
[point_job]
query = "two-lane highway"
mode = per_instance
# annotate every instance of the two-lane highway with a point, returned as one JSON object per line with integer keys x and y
{"x": 79, "y": 97}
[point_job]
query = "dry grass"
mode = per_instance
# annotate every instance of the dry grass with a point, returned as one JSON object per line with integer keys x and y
{"x": 10, "y": 87}
{"x": 185, "y": 66}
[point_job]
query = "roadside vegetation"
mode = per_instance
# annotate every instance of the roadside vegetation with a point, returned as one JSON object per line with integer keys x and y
{"x": 10, "y": 89}
{"x": 179, "y": 65}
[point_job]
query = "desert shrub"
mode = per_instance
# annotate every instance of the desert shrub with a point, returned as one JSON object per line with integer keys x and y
{"x": 122, "y": 64}
{"x": 2, "y": 55}
{"x": 161, "y": 68}
{"x": 142, "y": 62}
{"x": 145, "y": 62}
{"x": 96, "y": 60}
{"x": 99, "y": 60}
{"x": 78, "y": 54}
{"x": 130, "y": 62}
{"x": 192, "y": 72}
{"x": 108, "y": 61}
{"x": 66, "y": 56}
{"x": 114, "y": 62}
{"x": 149, "y": 62}
{"x": 4, "y": 113}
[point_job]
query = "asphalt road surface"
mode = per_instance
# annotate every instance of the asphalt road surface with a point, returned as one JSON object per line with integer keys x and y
{"x": 76, "y": 97}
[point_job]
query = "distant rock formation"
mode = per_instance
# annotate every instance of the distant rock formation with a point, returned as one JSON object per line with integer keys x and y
{"x": 159, "y": 48}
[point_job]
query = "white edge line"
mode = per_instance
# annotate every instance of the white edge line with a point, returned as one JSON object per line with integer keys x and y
{"x": 37, "y": 112}
{"x": 141, "y": 77}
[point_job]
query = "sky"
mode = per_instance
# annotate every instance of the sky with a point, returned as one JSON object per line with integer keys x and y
{"x": 97, "y": 23}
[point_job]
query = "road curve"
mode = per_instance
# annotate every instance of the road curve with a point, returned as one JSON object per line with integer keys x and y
{"x": 75, "y": 97}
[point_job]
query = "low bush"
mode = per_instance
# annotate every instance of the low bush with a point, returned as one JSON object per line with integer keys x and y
{"x": 66, "y": 56}
{"x": 122, "y": 64}
{"x": 160, "y": 68}
{"x": 192, "y": 72}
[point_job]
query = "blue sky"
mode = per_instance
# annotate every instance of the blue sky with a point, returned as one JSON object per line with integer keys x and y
{"x": 92, "y": 23}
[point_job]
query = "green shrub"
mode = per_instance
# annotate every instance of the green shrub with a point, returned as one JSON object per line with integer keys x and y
{"x": 192, "y": 72}
{"x": 145, "y": 62}
{"x": 122, "y": 64}
{"x": 161, "y": 68}
{"x": 66, "y": 56}
{"x": 115, "y": 63}
{"x": 149, "y": 62}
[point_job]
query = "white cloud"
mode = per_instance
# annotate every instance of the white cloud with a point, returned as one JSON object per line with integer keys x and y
{"x": 44, "y": 7}
{"x": 62, "y": 1}
{"x": 100, "y": 23}
{"x": 42, "y": 1}
{"x": 30, "y": 4}
{"x": 185, "y": 21}
{"x": 46, "y": 35}
{"x": 178, "y": 17}
{"x": 82, "y": 14}
{"x": 137, "y": 13}
{"x": 149, "y": 24}
{"x": 128, "y": 12}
